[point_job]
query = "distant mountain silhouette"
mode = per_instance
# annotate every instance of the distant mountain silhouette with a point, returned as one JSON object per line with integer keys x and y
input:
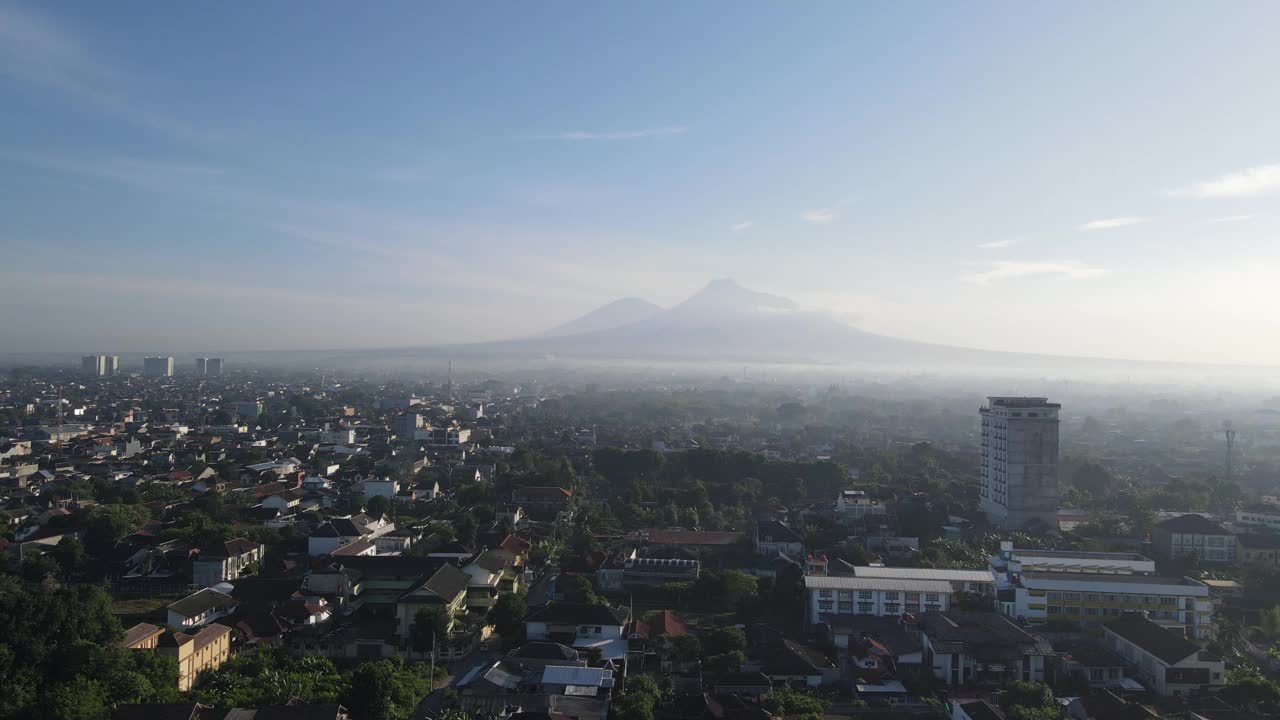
{"x": 615, "y": 314}
{"x": 725, "y": 321}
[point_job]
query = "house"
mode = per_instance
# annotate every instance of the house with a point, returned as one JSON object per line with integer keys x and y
{"x": 1166, "y": 661}
{"x": 494, "y": 689}
{"x": 647, "y": 639}
{"x": 226, "y": 562}
{"x": 542, "y": 500}
{"x": 868, "y": 646}
{"x": 445, "y": 589}
{"x": 581, "y": 626}
{"x": 383, "y": 487}
{"x": 1258, "y": 548}
{"x": 743, "y": 684}
{"x": 199, "y": 608}
{"x": 787, "y": 662}
{"x": 856, "y": 504}
{"x": 1012, "y": 562}
{"x": 1194, "y": 535}
{"x": 963, "y": 647}
{"x": 1094, "y": 664}
{"x": 202, "y": 652}
{"x": 772, "y": 537}
{"x": 332, "y": 535}
{"x": 492, "y": 573}
{"x": 143, "y": 636}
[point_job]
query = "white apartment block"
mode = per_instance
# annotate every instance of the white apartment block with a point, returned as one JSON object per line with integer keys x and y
{"x": 855, "y": 504}
{"x": 960, "y": 580}
{"x": 1019, "y": 469}
{"x": 1012, "y": 562}
{"x": 884, "y": 597}
{"x": 1262, "y": 516}
{"x": 1085, "y": 599}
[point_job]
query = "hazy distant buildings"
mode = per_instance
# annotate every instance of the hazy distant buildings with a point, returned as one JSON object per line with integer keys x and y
{"x": 208, "y": 366}
{"x": 157, "y": 366}
{"x": 1019, "y": 482}
{"x": 100, "y": 365}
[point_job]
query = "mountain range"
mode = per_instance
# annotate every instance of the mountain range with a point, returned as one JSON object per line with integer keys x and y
{"x": 728, "y": 322}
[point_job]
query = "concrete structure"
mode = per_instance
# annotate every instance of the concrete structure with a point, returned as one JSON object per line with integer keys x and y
{"x": 202, "y": 652}
{"x": 199, "y": 609}
{"x": 1009, "y": 565}
{"x": 773, "y": 537}
{"x": 227, "y": 561}
{"x": 872, "y": 596}
{"x": 249, "y": 408}
{"x": 213, "y": 367}
{"x": 100, "y": 365}
{"x": 855, "y": 504}
{"x": 1087, "y": 599}
{"x": 143, "y": 636}
{"x": 960, "y": 579}
{"x": 1259, "y": 548}
{"x": 404, "y": 426}
{"x": 381, "y": 487}
{"x": 157, "y": 366}
{"x": 1192, "y": 534}
{"x": 1165, "y": 661}
{"x": 1019, "y": 478}
{"x": 1267, "y": 516}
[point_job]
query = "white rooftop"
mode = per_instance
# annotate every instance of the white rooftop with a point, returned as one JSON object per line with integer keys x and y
{"x": 949, "y": 575}
{"x": 825, "y": 582}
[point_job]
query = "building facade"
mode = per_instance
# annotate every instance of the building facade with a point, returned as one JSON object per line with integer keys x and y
{"x": 883, "y": 597}
{"x": 1019, "y": 478}
{"x": 1090, "y": 599}
{"x": 1165, "y": 661}
{"x": 157, "y": 366}
{"x": 1194, "y": 535}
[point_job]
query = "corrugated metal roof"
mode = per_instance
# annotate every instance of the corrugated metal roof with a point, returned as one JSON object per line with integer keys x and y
{"x": 572, "y": 675}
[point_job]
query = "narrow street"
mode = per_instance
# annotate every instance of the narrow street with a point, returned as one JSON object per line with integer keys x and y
{"x": 487, "y": 653}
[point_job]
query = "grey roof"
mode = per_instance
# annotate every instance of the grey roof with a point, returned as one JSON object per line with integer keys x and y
{"x": 544, "y": 651}
{"x": 447, "y": 582}
{"x": 201, "y": 602}
{"x": 1154, "y": 639}
{"x": 948, "y": 574}
{"x": 1192, "y": 524}
{"x": 578, "y": 614}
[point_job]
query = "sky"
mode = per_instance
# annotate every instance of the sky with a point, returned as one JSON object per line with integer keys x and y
{"x": 1087, "y": 178}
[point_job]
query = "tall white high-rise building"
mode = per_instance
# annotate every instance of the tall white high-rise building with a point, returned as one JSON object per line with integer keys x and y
{"x": 1019, "y": 481}
{"x": 157, "y": 366}
{"x": 100, "y": 365}
{"x": 213, "y": 367}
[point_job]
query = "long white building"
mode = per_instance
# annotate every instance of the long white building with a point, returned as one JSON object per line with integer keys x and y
{"x": 1019, "y": 470}
{"x": 1012, "y": 562}
{"x": 1090, "y": 598}
{"x": 884, "y": 597}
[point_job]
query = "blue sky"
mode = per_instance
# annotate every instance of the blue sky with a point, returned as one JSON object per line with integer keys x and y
{"x": 1082, "y": 179}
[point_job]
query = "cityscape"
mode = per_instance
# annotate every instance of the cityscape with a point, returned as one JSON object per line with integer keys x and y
{"x": 639, "y": 361}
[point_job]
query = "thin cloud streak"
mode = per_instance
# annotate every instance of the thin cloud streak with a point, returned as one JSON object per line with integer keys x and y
{"x": 1016, "y": 270}
{"x": 1110, "y": 223}
{"x": 1230, "y": 219}
{"x": 820, "y": 216}
{"x": 617, "y": 135}
{"x": 36, "y": 51}
{"x": 998, "y": 244}
{"x": 739, "y": 227}
{"x": 1250, "y": 182}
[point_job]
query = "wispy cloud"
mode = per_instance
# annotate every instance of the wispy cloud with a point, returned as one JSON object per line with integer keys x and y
{"x": 1116, "y": 222}
{"x": 739, "y": 227}
{"x": 40, "y": 53}
{"x": 1259, "y": 180}
{"x": 999, "y": 244}
{"x": 616, "y": 134}
{"x": 820, "y": 216}
{"x": 141, "y": 172}
{"x": 1231, "y": 219}
{"x": 405, "y": 175}
{"x": 1015, "y": 269}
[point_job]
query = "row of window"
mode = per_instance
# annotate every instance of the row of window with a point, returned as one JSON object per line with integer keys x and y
{"x": 888, "y": 596}
{"x": 867, "y": 608}
{"x": 1115, "y": 598}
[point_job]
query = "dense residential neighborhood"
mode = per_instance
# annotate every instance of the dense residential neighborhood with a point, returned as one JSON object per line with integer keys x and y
{"x": 491, "y": 549}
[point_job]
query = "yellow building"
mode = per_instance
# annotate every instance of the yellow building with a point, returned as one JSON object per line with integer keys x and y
{"x": 143, "y": 636}
{"x": 203, "y": 651}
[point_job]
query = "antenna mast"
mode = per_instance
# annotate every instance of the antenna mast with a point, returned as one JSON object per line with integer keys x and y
{"x": 1230, "y": 434}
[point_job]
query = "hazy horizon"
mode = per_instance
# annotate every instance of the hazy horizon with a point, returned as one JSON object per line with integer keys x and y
{"x": 1084, "y": 181}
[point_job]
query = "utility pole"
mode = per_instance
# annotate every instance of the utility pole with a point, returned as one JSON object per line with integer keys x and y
{"x": 60, "y": 419}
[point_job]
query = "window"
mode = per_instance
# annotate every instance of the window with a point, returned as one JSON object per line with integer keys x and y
{"x": 864, "y": 608}
{"x": 824, "y": 593}
{"x": 891, "y": 596}
{"x": 932, "y": 597}
{"x": 825, "y": 605}
{"x": 1073, "y": 610}
{"x": 892, "y": 608}
{"x": 864, "y": 595}
{"x": 1092, "y": 611}
{"x": 1054, "y": 610}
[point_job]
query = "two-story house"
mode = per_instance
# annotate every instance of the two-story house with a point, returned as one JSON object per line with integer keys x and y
{"x": 1164, "y": 660}
{"x": 199, "y": 608}
{"x": 225, "y": 562}
{"x": 581, "y": 626}
{"x": 773, "y": 537}
{"x": 962, "y": 647}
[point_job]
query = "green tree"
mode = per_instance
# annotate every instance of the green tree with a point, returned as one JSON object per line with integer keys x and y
{"x": 377, "y": 506}
{"x": 69, "y": 553}
{"x": 1245, "y": 686}
{"x": 792, "y": 702}
{"x": 369, "y": 695}
{"x": 724, "y": 640}
{"x": 430, "y": 625}
{"x": 507, "y": 616}
{"x": 80, "y": 699}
